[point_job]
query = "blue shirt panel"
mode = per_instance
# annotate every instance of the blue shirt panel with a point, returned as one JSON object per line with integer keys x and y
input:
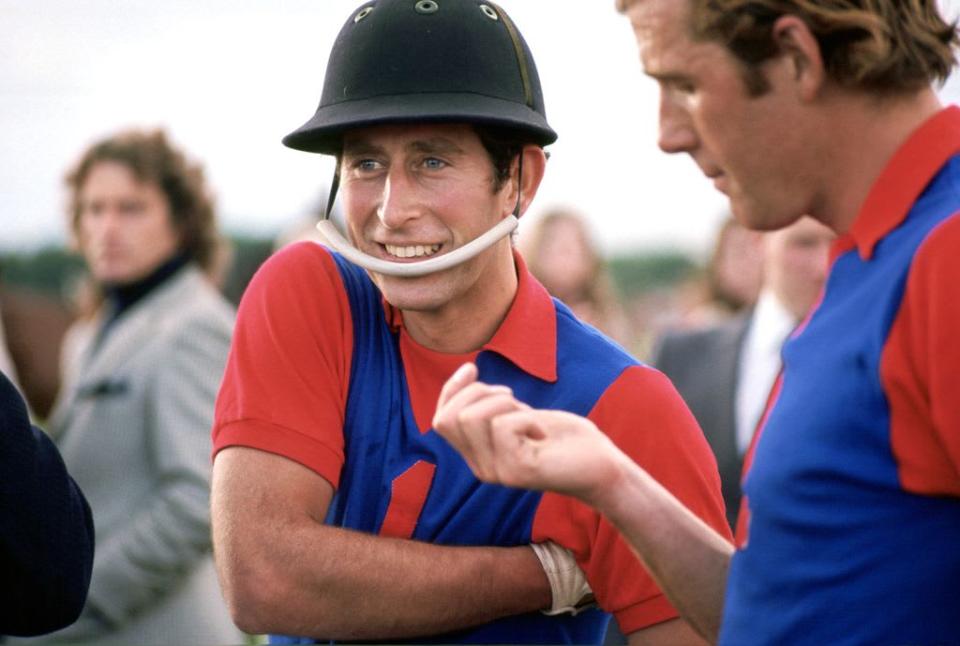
{"x": 382, "y": 441}
{"x": 832, "y": 544}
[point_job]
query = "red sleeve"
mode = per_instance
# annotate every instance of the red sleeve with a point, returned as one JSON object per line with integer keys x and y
{"x": 285, "y": 386}
{"x": 645, "y": 416}
{"x": 920, "y": 368}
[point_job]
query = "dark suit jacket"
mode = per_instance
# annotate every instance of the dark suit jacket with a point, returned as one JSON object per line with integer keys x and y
{"x": 703, "y": 365}
{"x": 46, "y": 529}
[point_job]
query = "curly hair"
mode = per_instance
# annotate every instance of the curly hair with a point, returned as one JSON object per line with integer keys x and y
{"x": 882, "y": 46}
{"x": 153, "y": 159}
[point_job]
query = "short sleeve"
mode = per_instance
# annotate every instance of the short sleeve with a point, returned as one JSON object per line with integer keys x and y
{"x": 285, "y": 386}
{"x": 645, "y": 416}
{"x": 920, "y": 367}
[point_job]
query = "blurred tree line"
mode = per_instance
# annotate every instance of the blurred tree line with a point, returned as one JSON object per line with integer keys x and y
{"x": 53, "y": 270}
{"x": 638, "y": 273}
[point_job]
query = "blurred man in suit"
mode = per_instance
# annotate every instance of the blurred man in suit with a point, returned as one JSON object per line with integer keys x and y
{"x": 140, "y": 376}
{"x": 725, "y": 372}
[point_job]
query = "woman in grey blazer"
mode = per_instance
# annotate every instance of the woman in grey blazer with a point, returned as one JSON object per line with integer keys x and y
{"x": 140, "y": 376}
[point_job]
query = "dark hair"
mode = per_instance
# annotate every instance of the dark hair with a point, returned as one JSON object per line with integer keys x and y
{"x": 503, "y": 146}
{"x": 152, "y": 159}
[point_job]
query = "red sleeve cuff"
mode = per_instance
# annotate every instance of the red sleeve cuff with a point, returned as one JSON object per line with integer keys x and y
{"x": 648, "y": 612}
{"x": 300, "y": 448}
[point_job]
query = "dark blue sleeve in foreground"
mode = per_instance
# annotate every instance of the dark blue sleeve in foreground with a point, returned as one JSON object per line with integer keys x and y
{"x": 46, "y": 529}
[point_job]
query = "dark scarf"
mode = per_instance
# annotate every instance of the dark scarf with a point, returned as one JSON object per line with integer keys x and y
{"x": 118, "y": 299}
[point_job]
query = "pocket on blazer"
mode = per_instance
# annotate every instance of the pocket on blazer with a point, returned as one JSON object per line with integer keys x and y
{"x": 104, "y": 388}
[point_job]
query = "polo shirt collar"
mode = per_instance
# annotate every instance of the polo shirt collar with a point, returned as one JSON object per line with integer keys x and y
{"x": 528, "y": 334}
{"x": 903, "y": 180}
{"x": 527, "y": 337}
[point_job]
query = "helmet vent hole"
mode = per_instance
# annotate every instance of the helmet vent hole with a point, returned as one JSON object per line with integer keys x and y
{"x": 426, "y": 6}
{"x": 489, "y": 12}
{"x": 363, "y": 13}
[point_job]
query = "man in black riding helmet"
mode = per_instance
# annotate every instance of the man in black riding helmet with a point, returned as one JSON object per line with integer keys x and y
{"x": 338, "y": 512}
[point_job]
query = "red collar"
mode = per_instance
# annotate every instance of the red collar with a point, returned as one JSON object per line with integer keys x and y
{"x": 902, "y": 181}
{"x": 528, "y": 335}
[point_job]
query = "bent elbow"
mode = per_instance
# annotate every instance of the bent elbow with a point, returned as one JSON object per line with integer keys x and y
{"x": 254, "y": 597}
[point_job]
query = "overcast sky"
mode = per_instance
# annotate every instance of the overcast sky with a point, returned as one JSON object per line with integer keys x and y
{"x": 229, "y": 78}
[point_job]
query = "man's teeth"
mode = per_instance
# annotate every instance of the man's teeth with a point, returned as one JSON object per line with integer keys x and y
{"x": 413, "y": 251}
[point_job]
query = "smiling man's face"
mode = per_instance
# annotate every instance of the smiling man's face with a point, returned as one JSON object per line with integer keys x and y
{"x": 411, "y": 192}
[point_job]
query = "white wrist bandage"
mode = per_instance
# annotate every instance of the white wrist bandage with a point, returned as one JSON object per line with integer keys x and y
{"x": 571, "y": 592}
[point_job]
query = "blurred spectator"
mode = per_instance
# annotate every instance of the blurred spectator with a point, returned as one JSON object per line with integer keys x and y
{"x": 561, "y": 254}
{"x": 32, "y": 326}
{"x": 46, "y": 533}
{"x": 140, "y": 377}
{"x": 732, "y": 279}
{"x": 735, "y": 268}
{"x": 725, "y": 372}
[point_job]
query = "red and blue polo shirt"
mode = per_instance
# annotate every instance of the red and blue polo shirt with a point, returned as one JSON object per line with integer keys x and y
{"x": 853, "y": 492}
{"x": 349, "y": 394}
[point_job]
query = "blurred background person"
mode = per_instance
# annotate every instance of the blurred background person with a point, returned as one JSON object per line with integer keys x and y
{"x": 735, "y": 269}
{"x": 725, "y": 372}
{"x": 731, "y": 282}
{"x": 141, "y": 374}
{"x": 560, "y": 252}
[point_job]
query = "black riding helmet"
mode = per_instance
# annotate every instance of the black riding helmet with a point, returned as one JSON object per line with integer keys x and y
{"x": 400, "y": 61}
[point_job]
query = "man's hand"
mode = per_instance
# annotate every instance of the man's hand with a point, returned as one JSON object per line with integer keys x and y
{"x": 506, "y": 442}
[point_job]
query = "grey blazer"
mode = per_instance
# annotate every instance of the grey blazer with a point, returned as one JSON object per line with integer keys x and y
{"x": 704, "y": 366}
{"x": 133, "y": 425}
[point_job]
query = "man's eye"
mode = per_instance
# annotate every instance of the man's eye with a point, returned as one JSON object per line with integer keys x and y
{"x": 131, "y": 208}
{"x": 679, "y": 87}
{"x": 366, "y": 164}
{"x": 433, "y": 163}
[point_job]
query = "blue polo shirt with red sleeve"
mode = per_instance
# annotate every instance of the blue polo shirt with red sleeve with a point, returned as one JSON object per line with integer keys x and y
{"x": 323, "y": 372}
{"x": 853, "y": 492}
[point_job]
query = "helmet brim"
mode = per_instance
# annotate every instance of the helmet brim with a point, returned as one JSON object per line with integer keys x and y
{"x": 323, "y": 133}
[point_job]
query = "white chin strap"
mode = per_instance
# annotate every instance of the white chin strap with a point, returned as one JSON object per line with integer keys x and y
{"x": 423, "y": 267}
{"x": 341, "y": 245}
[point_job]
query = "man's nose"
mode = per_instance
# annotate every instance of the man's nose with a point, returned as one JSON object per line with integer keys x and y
{"x": 677, "y": 134}
{"x": 399, "y": 203}
{"x": 103, "y": 222}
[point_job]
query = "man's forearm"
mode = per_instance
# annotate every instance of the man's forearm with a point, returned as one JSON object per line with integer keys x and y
{"x": 687, "y": 558}
{"x": 329, "y": 582}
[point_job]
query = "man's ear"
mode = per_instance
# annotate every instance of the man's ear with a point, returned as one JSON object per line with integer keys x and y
{"x": 799, "y": 49}
{"x": 534, "y": 167}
